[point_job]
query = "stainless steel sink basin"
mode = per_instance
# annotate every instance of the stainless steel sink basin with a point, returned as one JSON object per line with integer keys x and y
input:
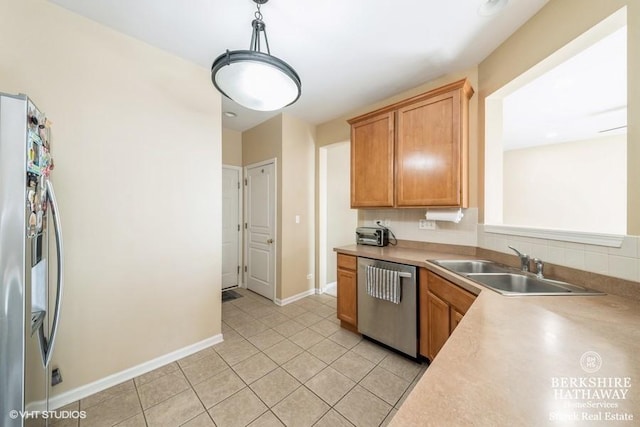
{"x": 520, "y": 284}
{"x": 471, "y": 266}
{"x": 509, "y": 281}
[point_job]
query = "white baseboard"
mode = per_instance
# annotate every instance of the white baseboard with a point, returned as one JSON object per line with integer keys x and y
{"x": 295, "y": 297}
{"x": 102, "y": 384}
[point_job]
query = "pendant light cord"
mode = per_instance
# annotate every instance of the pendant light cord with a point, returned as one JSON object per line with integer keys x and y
{"x": 258, "y": 27}
{"x": 253, "y": 78}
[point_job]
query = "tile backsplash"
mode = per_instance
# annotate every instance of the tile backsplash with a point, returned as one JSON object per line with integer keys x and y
{"x": 623, "y": 262}
{"x": 404, "y": 224}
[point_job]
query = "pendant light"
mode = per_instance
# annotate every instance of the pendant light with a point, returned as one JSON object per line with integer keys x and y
{"x": 255, "y": 79}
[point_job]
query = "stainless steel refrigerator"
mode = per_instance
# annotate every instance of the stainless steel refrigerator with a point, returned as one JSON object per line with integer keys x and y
{"x": 30, "y": 272}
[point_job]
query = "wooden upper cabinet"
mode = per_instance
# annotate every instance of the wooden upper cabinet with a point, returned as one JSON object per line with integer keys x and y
{"x": 428, "y": 153}
{"x": 372, "y": 161}
{"x": 427, "y": 136}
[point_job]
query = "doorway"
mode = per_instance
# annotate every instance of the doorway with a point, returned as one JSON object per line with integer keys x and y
{"x": 337, "y": 220}
{"x": 260, "y": 224}
{"x": 231, "y": 229}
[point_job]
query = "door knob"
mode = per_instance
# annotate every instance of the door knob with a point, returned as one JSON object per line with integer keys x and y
{"x": 269, "y": 241}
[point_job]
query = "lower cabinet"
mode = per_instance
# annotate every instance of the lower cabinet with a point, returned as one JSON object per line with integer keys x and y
{"x": 436, "y": 327}
{"x": 347, "y": 301}
{"x": 442, "y": 305}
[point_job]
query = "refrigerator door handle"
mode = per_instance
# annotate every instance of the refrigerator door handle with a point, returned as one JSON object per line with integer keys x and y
{"x": 60, "y": 273}
{"x": 43, "y": 344}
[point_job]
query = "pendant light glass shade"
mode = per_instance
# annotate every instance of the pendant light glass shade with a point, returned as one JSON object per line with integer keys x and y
{"x": 255, "y": 79}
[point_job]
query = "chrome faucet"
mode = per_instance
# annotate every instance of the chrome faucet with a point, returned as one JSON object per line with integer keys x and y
{"x": 539, "y": 267}
{"x": 524, "y": 259}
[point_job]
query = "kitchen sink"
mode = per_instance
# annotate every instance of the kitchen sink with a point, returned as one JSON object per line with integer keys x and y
{"x": 509, "y": 281}
{"x": 466, "y": 267}
{"x": 521, "y": 284}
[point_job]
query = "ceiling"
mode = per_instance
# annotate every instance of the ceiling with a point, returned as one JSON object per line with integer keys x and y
{"x": 584, "y": 97}
{"x": 348, "y": 54}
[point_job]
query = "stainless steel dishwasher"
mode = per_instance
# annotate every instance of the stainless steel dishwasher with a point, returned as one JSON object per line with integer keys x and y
{"x": 391, "y": 324}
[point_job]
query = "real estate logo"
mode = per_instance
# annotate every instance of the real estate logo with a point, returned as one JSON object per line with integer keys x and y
{"x": 591, "y": 362}
{"x": 591, "y": 397}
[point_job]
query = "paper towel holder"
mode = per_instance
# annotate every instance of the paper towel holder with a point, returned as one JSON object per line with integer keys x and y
{"x": 445, "y": 214}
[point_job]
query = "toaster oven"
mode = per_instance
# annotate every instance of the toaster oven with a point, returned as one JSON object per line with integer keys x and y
{"x": 374, "y": 236}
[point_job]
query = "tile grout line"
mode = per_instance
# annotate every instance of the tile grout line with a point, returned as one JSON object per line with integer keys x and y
{"x": 206, "y": 411}
{"x": 144, "y": 416}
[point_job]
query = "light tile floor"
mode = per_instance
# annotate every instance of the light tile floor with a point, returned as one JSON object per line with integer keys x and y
{"x": 290, "y": 365}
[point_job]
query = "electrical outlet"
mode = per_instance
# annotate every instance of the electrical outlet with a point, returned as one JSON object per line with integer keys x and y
{"x": 425, "y": 224}
{"x": 309, "y": 276}
{"x": 382, "y": 222}
{"x": 56, "y": 376}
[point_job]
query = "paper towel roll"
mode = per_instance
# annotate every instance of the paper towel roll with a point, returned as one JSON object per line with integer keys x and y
{"x": 451, "y": 215}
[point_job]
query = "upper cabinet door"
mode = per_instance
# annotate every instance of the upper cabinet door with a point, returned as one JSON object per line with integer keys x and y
{"x": 431, "y": 152}
{"x": 372, "y": 178}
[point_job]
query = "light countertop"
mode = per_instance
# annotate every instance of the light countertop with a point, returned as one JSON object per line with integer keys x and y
{"x": 403, "y": 255}
{"x": 524, "y": 361}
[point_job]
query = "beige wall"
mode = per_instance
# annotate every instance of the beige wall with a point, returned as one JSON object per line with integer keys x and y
{"x": 131, "y": 127}
{"x": 298, "y": 142}
{"x": 263, "y": 142}
{"x": 559, "y": 22}
{"x": 576, "y": 185}
{"x": 231, "y": 147}
{"x": 291, "y": 142}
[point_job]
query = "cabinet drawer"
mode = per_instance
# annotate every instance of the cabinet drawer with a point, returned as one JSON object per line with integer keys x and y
{"x": 455, "y": 296}
{"x": 348, "y": 262}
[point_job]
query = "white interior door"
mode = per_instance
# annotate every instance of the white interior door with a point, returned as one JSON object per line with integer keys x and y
{"x": 231, "y": 219}
{"x": 261, "y": 223}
